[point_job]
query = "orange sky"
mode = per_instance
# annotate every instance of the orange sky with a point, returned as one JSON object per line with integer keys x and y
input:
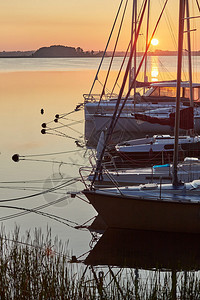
{"x": 29, "y": 25}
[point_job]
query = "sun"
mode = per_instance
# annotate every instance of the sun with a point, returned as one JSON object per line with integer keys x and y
{"x": 154, "y": 42}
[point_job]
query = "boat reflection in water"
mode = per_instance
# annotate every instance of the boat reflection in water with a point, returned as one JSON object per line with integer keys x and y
{"x": 147, "y": 250}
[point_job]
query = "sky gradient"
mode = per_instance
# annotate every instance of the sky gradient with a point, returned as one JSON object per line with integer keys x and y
{"x": 29, "y": 25}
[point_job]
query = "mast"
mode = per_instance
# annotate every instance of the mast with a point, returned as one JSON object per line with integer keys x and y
{"x": 135, "y": 51}
{"x": 111, "y": 127}
{"x": 133, "y": 30}
{"x": 189, "y": 53}
{"x": 178, "y": 89}
{"x": 147, "y": 36}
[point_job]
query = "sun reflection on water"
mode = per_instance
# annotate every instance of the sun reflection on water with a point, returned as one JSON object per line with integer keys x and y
{"x": 154, "y": 69}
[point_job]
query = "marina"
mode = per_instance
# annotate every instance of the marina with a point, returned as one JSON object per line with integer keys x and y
{"x": 106, "y": 187}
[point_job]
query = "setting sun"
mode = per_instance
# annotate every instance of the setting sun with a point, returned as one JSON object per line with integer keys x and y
{"x": 154, "y": 42}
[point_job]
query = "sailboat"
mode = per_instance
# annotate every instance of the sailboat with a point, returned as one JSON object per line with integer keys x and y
{"x": 173, "y": 207}
{"x": 158, "y": 99}
{"x": 188, "y": 170}
{"x": 149, "y": 151}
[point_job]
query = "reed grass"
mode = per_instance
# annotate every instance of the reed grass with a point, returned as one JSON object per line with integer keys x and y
{"x": 36, "y": 267}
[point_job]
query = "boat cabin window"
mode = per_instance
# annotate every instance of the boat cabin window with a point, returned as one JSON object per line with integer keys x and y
{"x": 196, "y": 93}
{"x": 164, "y": 92}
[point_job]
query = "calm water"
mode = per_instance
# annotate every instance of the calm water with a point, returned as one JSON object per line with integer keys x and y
{"x": 56, "y": 85}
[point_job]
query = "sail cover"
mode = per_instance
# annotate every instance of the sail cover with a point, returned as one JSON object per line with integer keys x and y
{"x": 186, "y": 119}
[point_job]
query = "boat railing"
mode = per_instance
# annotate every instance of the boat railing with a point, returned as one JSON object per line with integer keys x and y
{"x": 93, "y": 164}
{"x": 96, "y": 97}
{"x": 115, "y": 183}
{"x": 111, "y": 162}
{"x": 104, "y": 172}
{"x": 90, "y": 170}
{"x": 84, "y": 178}
{"x": 91, "y": 97}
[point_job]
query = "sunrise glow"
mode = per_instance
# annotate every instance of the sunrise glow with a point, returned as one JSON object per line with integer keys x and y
{"x": 29, "y": 25}
{"x": 154, "y": 42}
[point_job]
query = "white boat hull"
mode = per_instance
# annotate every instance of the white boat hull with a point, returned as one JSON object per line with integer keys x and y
{"x": 142, "y": 176}
{"x": 127, "y": 128}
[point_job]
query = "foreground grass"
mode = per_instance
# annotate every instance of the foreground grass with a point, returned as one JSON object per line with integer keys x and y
{"x": 35, "y": 267}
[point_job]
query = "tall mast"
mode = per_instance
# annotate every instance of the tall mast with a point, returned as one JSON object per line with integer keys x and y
{"x": 133, "y": 29}
{"x": 111, "y": 126}
{"x": 135, "y": 52}
{"x": 178, "y": 88}
{"x": 147, "y": 37}
{"x": 189, "y": 53}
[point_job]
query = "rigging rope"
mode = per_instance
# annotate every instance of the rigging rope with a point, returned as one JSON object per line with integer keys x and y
{"x": 55, "y": 161}
{"x": 5, "y": 218}
{"x": 122, "y": 64}
{"x": 198, "y": 5}
{"x": 96, "y": 76}
{"x": 171, "y": 26}
{"x": 51, "y": 216}
{"x": 53, "y": 153}
{"x": 69, "y": 126}
{"x": 59, "y": 133}
{"x": 113, "y": 54}
{"x": 37, "y": 194}
{"x": 132, "y": 84}
{"x": 125, "y": 56}
{"x": 111, "y": 127}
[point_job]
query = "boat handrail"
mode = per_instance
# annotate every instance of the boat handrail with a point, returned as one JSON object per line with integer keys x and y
{"x": 112, "y": 162}
{"x": 96, "y": 97}
{"x": 91, "y": 163}
{"x": 91, "y": 97}
{"x": 81, "y": 169}
{"x": 106, "y": 172}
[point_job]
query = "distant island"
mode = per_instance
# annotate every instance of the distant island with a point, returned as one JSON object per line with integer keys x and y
{"x": 53, "y": 51}
{"x": 65, "y": 51}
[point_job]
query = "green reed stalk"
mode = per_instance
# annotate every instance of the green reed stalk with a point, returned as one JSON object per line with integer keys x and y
{"x": 35, "y": 267}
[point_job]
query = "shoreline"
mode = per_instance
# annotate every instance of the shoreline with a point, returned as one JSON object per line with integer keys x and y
{"x": 108, "y": 56}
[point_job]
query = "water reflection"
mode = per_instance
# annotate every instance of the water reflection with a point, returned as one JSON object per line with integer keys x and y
{"x": 154, "y": 69}
{"x": 146, "y": 250}
{"x": 23, "y": 95}
{"x": 56, "y": 85}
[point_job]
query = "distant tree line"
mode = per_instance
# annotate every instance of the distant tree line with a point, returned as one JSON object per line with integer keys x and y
{"x": 64, "y": 51}
{"x": 16, "y": 53}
